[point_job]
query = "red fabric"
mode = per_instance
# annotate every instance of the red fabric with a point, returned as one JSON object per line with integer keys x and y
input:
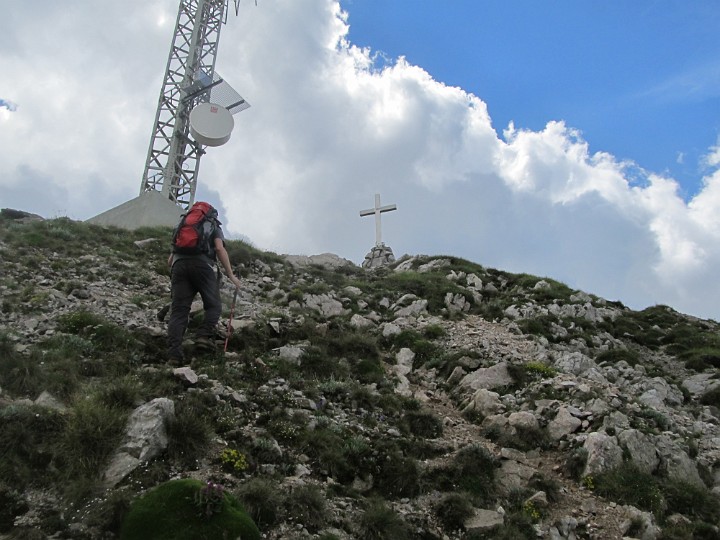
{"x": 188, "y": 234}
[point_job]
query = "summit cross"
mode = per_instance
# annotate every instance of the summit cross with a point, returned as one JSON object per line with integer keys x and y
{"x": 376, "y": 212}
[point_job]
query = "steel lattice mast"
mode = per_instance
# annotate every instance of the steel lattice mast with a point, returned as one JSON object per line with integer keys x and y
{"x": 173, "y": 158}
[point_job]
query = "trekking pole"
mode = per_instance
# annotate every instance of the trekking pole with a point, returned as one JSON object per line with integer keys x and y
{"x": 229, "y": 326}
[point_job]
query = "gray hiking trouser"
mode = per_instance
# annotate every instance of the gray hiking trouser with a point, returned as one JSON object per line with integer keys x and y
{"x": 189, "y": 277}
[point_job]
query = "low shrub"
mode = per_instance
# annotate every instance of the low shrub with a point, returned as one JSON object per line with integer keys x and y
{"x": 12, "y": 504}
{"x": 701, "y": 359}
{"x": 29, "y": 444}
{"x": 93, "y": 431}
{"x": 524, "y": 438}
{"x": 262, "y": 500}
{"x": 472, "y": 470}
{"x": 399, "y": 476}
{"x": 551, "y": 487}
{"x": 711, "y": 397}
{"x": 189, "y": 431}
{"x": 539, "y": 326}
{"x": 423, "y": 424}
{"x": 20, "y": 375}
{"x": 306, "y": 506}
{"x": 122, "y": 393}
{"x": 613, "y": 356}
{"x": 105, "y": 336}
{"x": 628, "y": 485}
{"x": 433, "y": 331}
{"x": 692, "y": 500}
{"x": 431, "y": 286}
{"x": 379, "y": 522}
{"x": 453, "y": 510}
{"x": 575, "y": 463}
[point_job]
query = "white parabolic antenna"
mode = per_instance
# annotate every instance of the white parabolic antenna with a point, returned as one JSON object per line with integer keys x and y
{"x": 211, "y": 124}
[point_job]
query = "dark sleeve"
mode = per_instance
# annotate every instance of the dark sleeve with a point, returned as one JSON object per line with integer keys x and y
{"x": 219, "y": 234}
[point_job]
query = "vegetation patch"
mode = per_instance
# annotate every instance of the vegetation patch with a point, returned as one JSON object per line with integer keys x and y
{"x": 430, "y": 286}
{"x": 628, "y": 485}
{"x": 453, "y": 510}
{"x": 613, "y": 356}
{"x": 29, "y": 445}
{"x": 262, "y": 500}
{"x": 187, "y": 510}
{"x": 380, "y": 522}
{"x": 711, "y": 397}
{"x": 472, "y": 470}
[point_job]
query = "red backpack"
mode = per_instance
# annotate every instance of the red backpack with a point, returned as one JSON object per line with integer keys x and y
{"x": 193, "y": 234}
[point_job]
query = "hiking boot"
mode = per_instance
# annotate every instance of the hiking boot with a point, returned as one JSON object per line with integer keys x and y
{"x": 204, "y": 343}
{"x": 163, "y": 312}
{"x": 175, "y": 361}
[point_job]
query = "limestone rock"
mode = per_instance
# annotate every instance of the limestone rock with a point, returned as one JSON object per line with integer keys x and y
{"x": 381, "y": 255}
{"x": 483, "y": 520}
{"x": 675, "y": 462}
{"x": 513, "y": 475}
{"x": 327, "y": 260}
{"x": 484, "y": 402}
{"x": 403, "y": 367}
{"x": 563, "y": 424}
{"x": 523, "y": 420}
{"x": 488, "y": 378}
{"x": 604, "y": 454}
{"x": 291, "y": 353}
{"x": 46, "y": 399}
{"x": 145, "y": 438}
{"x": 358, "y": 321}
{"x": 641, "y": 448}
{"x": 325, "y": 304}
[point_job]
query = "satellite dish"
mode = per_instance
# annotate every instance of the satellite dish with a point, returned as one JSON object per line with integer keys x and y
{"x": 211, "y": 124}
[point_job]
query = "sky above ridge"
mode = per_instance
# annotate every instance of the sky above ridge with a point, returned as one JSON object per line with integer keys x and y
{"x": 572, "y": 140}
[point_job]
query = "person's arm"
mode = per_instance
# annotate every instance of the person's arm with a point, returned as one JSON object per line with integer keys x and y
{"x": 224, "y": 259}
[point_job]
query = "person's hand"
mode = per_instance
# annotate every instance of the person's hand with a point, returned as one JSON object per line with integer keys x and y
{"x": 235, "y": 281}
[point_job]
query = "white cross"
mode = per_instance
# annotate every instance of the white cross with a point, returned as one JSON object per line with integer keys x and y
{"x": 376, "y": 212}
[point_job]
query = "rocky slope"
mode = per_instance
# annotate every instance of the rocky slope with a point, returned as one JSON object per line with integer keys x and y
{"x": 433, "y": 398}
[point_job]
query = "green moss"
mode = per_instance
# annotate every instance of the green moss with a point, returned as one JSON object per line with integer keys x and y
{"x": 169, "y": 512}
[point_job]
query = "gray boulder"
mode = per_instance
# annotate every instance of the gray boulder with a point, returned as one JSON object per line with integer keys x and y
{"x": 604, "y": 453}
{"x": 641, "y": 448}
{"x": 484, "y": 402}
{"x": 483, "y": 520}
{"x": 325, "y": 304}
{"x": 145, "y": 439}
{"x": 675, "y": 463}
{"x": 493, "y": 377}
{"x": 563, "y": 424}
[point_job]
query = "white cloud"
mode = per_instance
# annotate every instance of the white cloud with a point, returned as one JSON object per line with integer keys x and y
{"x": 327, "y": 129}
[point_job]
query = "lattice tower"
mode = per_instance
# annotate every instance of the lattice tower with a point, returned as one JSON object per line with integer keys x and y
{"x": 173, "y": 158}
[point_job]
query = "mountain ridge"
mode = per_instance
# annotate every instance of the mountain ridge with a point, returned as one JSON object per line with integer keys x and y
{"x": 433, "y": 398}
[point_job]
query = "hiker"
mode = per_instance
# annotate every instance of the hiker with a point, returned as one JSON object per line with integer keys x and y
{"x": 198, "y": 242}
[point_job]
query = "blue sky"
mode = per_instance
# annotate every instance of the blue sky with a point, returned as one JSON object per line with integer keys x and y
{"x": 640, "y": 79}
{"x": 573, "y": 140}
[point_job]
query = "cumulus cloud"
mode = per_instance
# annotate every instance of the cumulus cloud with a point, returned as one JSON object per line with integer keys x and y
{"x": 327, "y": 129}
